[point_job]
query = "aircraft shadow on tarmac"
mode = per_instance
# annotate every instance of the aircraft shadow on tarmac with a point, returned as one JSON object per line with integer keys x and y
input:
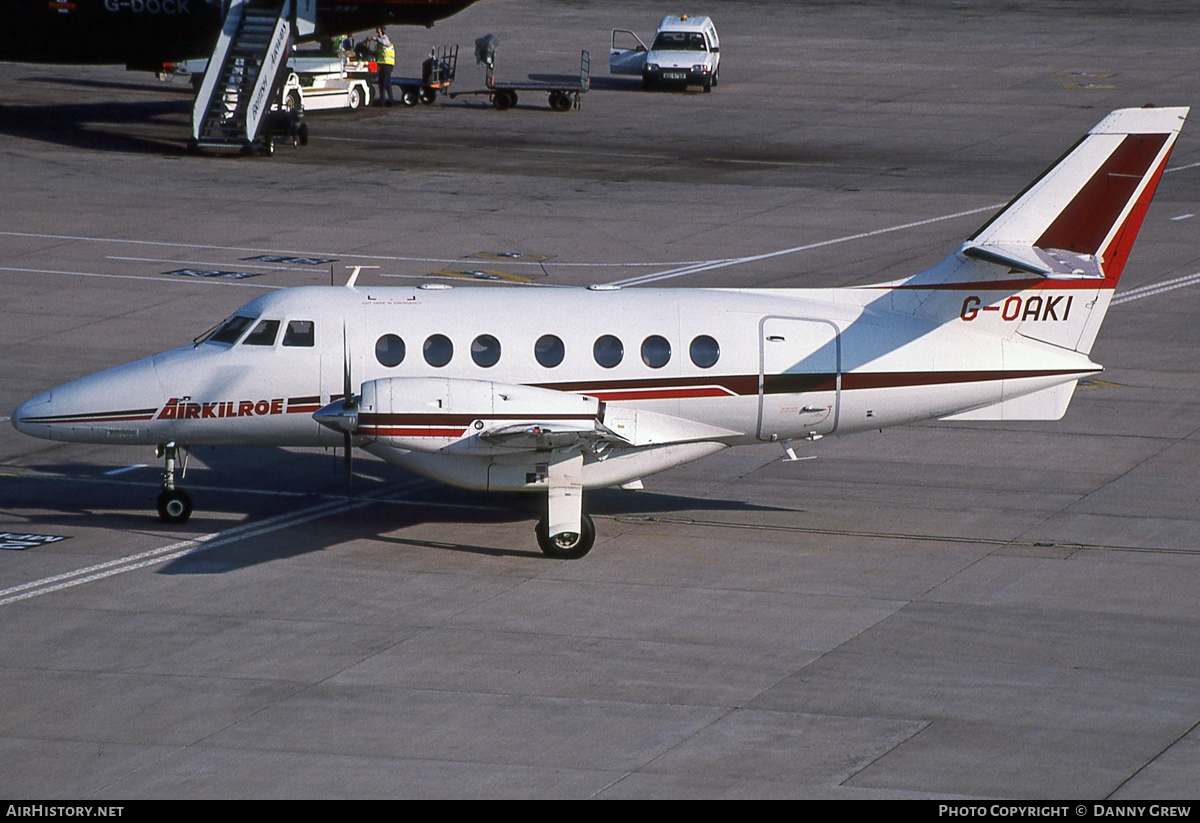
{"x": 299, "y": 481}
{"x": 182, "y": 88}
{"x": 609, "y": 82}
{"x": 101, "y": 126}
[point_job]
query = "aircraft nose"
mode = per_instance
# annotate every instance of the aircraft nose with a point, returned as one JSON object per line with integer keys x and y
{"x": 114, "y": 405}
{"x": 26, "y": 415}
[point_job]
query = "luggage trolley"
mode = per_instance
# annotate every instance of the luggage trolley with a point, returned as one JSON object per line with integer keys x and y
{"x": 437, "y": 73}
{"x": 504, "y": 95}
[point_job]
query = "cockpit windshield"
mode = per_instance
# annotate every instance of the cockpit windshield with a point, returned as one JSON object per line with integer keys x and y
{"x": 296, "y": 333}
{"x": 232, "y": 330}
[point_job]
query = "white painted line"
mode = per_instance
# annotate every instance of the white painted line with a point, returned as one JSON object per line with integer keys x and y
{"x": 174, "y": 551}
{"x": 168, "y": 553}
{"x": 591, "y": 153}
{"x": 223, "y": 281}
{"x": 1183, "y": 216}
{"x": 338, "y": 254}
{"x": 694, "y": 269}
{"x": 1156, "y": 288}
{"x": 243, "y": 264}
{"x": 1181, "y": 168}
{"x": 204, "y": 538}
{"x": 126, "y": 469}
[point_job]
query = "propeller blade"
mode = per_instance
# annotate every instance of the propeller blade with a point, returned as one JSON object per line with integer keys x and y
{"x": 348, "y": 458}
{"x": 347, "y": 383}
{"x": 347, "y": 404}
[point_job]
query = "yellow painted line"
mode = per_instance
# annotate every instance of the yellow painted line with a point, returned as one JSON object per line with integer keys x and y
{"x": 482, "y": 274}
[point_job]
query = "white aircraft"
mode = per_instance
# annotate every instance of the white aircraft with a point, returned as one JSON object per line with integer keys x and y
{"x": 560, "y": 390}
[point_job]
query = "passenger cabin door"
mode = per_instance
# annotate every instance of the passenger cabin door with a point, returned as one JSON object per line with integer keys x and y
{"x": 799, "y": 378}
{"x": 627, "y": 54}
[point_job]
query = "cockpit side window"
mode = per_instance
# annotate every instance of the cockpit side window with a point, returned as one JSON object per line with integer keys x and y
{"x": 264, "y": 334}
{"x": 299, "y": 333}
{"x": 232, "y": 330}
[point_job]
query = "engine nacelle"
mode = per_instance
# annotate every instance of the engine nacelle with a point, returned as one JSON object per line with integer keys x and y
{"x": 434, "y": 414}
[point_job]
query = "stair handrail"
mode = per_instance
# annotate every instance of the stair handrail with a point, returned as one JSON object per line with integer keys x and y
{"x": 216, "y": 62}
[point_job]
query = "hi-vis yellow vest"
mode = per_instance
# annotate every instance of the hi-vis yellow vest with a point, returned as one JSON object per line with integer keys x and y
{"x": 385, "y": 54}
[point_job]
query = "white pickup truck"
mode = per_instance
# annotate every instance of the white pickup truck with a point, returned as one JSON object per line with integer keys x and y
{"x": 685, "y": 51}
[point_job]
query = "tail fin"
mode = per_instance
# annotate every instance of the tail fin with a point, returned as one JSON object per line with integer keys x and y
{"x": 1046, "y": 265}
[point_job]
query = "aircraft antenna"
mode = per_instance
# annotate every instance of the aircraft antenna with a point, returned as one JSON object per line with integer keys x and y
{"x": 354, "y": 274}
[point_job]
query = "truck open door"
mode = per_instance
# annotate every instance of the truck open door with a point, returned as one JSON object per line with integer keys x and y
{"x": 627, "y": 54}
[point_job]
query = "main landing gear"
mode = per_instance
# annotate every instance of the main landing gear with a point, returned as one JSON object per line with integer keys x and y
{"x": 565, "y": 533}
{"x": 174, "y": 505}
{"x": 567, "y": 545}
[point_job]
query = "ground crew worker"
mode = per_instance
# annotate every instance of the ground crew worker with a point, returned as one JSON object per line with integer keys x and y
{"x": 385, "y": 59}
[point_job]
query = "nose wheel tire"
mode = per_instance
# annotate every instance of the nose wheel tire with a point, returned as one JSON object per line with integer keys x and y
{"x": 174, "y": 506}
{"x": 567, "y": 545}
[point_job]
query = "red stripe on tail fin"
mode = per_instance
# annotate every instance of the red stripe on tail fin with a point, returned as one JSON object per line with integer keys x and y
{"x": 1087, "y": 220}
{"x": 1122, "y": 243}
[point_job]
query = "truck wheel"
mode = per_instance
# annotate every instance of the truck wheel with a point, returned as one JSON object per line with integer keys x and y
{"x": 408, "y": 96}
{"x": 428, "y": 96}
{"x": 560, "y": 101}
{"x": 354, "y": 98}
{"x": 292, "y": 103}
{"x": 504, "y": 99}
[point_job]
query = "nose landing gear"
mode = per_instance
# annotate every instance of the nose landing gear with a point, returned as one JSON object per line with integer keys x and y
{"x": 174, "y": 505}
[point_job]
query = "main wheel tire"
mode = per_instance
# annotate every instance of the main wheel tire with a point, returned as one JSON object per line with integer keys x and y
{"x": 568, "y": 545}
{"x": 174, "y": 506}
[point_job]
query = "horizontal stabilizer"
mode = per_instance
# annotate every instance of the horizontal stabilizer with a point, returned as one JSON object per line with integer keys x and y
{"x": 1053, "y": 264}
